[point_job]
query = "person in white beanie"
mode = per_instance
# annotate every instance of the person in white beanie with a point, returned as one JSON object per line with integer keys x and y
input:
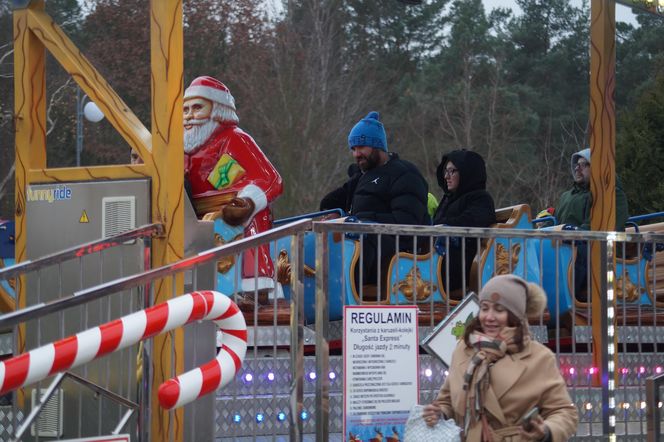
{"x": 499, "y": 373}
{"x": 227, "y": 174}
{"x": 573, "y": 208}
{"x": 573, "y": 212}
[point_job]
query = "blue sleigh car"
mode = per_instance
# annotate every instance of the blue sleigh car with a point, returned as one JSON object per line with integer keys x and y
{"x": 410, "y": 278}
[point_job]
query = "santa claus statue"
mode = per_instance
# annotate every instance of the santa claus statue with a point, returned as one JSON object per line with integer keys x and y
{"x": 228, "y": 175}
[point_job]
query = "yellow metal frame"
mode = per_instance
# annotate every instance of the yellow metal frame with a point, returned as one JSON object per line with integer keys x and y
{"x": 602, "y": 147}
{"x": 160, "y": 148}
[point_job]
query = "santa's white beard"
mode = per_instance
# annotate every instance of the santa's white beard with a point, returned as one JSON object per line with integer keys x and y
{"x": 198, "y": 134}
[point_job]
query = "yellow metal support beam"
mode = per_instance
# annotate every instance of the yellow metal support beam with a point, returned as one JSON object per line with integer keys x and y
{"x": 602, "y": 148}
{"x": 94, "y": 173}
{"x": 166, "y": 41}
{"x": 91, "y": 81}
{"x": 161, "y": 150}
{"x": 30, "y": 135}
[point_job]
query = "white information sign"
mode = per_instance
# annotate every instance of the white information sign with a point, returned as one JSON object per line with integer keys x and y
{"x": 442, "y": 341}
{"x": 381, "y": 370}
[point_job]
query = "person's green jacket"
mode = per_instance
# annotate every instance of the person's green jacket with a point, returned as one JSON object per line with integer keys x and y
{"x": 574, "y": 207}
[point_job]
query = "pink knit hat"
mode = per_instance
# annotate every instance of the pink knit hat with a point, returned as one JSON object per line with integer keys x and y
{"x": 524, "y": 299}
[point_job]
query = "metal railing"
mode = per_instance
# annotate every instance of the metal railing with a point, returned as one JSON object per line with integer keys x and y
{"x": 638, "y": 338}
{"x": 580, "y": 368}
{"x": 192, "y": 264}
{"x": 654, "y": 407}
{"x": 81, "y": 250}
{"x": 57, "y": 265}
{"x": 50, "y": 391}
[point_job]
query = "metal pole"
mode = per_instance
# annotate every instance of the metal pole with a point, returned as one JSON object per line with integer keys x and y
{"x": 297, "y": 339}
{"x": 79, "y": 127}
{"x": 322, "y": 342}
{"x": 80, "y": 104}
{"x": 43, "y": 399}
{"x": 607, "y": 340}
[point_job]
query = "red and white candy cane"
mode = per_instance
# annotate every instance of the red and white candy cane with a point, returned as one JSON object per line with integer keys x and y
{"x": 91, "y": 344}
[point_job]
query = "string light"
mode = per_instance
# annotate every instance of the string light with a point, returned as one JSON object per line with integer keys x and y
{"x": 610, "y": 338}
{"x": 281, "y": 416}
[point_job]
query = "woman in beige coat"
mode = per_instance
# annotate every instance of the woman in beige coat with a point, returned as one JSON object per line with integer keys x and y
{"x": 499, "y": 373}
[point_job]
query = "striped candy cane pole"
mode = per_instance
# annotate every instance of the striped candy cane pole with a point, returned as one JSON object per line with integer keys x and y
{"x": 91, "y": 344}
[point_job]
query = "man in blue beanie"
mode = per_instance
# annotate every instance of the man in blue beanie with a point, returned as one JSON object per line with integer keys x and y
{"x": 382, "y": 189}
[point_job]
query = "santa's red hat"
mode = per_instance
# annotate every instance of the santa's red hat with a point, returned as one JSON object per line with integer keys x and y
{"x": 210, "y": 89}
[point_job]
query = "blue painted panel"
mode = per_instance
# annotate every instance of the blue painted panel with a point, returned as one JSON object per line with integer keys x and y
{"x": 7, "y": 242}
{"x": 557, "y": 281}
{"x": 635, "y": 273}
{"x": 401, "y": 280}
{"x": 518, "y": 256}
{"x": 4, "y": 285}
{"x": 231, "y": 281}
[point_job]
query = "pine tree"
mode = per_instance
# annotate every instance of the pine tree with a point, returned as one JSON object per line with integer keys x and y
{"x": 640, "y": 155}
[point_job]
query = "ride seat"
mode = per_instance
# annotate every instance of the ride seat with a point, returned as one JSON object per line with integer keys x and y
{"x": 642, "y": 276}
{"x": 511, "y": 217}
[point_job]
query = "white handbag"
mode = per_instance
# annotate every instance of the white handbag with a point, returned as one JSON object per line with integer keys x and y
{"x": 418, "y": 431}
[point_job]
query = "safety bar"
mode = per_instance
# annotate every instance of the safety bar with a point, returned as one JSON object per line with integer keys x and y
{"x": 97, "y": 292}
{"x": 283, "y": 221}
{"x": 647, "y": 216}
{"x": 148, "y": 230}
{"x": 653, "y": 412}
{"x": 631, "y": 221}
{"x": 553, "y": 219}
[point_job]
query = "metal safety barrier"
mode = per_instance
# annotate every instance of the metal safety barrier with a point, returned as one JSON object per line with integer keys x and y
{"x": 292, "y": 380}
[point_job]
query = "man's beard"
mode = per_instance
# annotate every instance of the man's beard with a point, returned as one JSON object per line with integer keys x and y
{"x": 198, "y": 134}
{"x": 370, "y": 162}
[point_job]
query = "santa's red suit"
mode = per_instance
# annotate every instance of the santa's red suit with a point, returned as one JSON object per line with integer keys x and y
{"x": 260, "y": 182}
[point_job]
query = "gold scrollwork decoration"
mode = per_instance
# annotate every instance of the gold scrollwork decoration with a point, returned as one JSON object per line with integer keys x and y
{"x": 414, "y": 287}
{"x": 626, "y": 289}
{"x": 284, "y": 268}
{"x": 503, "y": 258}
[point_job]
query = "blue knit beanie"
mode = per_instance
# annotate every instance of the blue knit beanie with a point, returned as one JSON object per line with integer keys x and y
{"x": 369, "y": 131}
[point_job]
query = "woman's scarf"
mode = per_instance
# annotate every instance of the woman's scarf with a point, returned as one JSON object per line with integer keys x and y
{"x": 477, "y": 379}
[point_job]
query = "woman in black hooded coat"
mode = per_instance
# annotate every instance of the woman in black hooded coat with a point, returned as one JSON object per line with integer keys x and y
{"x": 465, "y": 203}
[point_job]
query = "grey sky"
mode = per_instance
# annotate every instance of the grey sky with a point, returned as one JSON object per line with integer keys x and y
{"x": 623, "y": 13}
